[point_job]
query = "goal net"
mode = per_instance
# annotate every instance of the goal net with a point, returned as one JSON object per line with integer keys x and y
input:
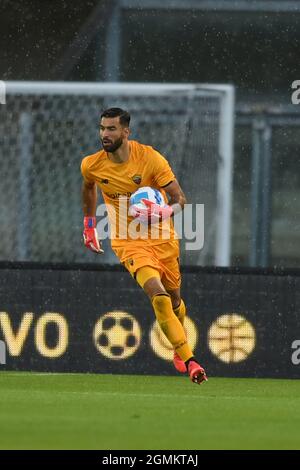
{"x": 46, "y": 128}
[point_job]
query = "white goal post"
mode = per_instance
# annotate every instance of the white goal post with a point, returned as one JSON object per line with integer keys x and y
{"x": 47, "y": 127}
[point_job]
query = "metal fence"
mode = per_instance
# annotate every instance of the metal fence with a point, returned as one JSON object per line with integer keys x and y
{"x": 266, "y": 208}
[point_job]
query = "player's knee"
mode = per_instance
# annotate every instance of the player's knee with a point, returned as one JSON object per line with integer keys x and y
{"x": 153, "y": 288}
{"x": 150, "y": 281}
{"x": 176, "y": 301}
{"x": 175, "y": 297}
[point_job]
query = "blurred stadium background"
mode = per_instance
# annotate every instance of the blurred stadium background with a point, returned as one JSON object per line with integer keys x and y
{"x": 209, "y": 84}
{"x": 249, "y": 44}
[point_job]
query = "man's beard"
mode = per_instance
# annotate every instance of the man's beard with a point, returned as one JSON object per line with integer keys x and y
{"x": 112, "y": 147}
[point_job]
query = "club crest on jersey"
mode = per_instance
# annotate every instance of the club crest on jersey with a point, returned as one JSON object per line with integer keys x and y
{"x": 137, "y": 179}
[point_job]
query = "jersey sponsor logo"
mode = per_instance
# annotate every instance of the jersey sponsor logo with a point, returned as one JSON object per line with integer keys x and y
{"x": 117, "y": 195}
{"x": 137, "y": 179}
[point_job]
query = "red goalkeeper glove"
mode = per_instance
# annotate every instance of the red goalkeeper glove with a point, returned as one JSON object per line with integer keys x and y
{"x": 153, "y": 213}
{"x": 90, "y": 236}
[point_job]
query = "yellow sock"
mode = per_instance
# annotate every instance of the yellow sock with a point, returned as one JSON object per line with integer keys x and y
{"x": 180, "y": 311}
{"x": 171, "y": 326}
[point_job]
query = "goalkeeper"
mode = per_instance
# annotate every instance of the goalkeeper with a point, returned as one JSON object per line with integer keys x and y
{"x": 118, "y": 171}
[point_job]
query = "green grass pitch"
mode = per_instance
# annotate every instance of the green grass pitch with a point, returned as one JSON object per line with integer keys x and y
{"x": 86, "y": 411}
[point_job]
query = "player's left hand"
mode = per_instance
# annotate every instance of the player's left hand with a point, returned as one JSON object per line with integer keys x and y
{"x": 153, "y": 213}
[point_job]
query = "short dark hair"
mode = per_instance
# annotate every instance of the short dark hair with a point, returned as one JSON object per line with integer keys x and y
{"x": 117, "y": 112}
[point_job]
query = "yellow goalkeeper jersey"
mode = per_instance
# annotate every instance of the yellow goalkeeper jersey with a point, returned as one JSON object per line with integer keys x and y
{"x": 117, "y": 181}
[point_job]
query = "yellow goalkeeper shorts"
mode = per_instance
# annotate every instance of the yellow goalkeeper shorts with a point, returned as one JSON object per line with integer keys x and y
{"x": 163, "y": 257}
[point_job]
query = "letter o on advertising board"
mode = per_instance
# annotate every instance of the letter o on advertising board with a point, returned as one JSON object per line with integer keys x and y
{"x": 62, "y": 336}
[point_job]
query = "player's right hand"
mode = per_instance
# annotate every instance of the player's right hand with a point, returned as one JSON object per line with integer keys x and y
{"x": 90, "y": 236}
